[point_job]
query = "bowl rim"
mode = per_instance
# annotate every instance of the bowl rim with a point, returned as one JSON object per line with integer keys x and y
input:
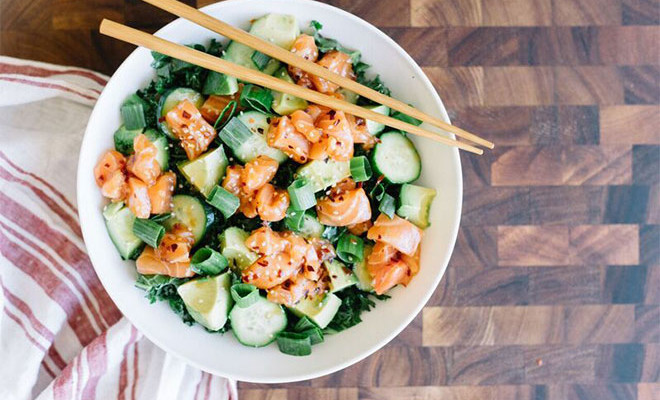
{"x": 358, "y": 356}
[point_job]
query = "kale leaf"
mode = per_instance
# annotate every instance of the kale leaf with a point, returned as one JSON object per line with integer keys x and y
{"x": 325, "y": 44}
{"x": 163, "y": 288}
{"x": 353, "y": 303}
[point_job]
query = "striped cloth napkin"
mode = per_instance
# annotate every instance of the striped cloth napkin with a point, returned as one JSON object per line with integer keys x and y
{"x": 61, "y": 337}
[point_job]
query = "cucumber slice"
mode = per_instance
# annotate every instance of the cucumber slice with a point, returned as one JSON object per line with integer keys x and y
{"x": 124, "y": 144}
{"x": 415, "y": 204}
{"x": 162, "y": 148}
{"x": 119, "y": 222}
{"x": 240, "y": 54}
{"x": 232, "y": 244}
{"x": 257, "y": 325}
{"x": 376, "y": 127}
{"x": 340, "y": 276}
{"x": 170, "y": 99}
{"x": 310, "y": 228}
{"x": 188, "y": 211}
{"x": 324, "y": 173}
{"x": 283, "y": 103}
{"x": 219, "y": 84}
{"x": 364, "y": 279}
{"x": 256, "y": 144}
{"x": 208, "y": 300}
{"x": 321, "y": 309}
{"x": 279, "y": 29}
{"x": 349, "y": 96}
{"x": 124, "y": 139}
{"x": 396, "y": 158}
{"x": 205, "y": 171}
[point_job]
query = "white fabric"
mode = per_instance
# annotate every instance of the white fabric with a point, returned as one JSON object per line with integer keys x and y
{"x": 61, "y": 337}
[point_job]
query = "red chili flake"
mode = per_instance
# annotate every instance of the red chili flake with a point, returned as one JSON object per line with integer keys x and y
{"x": 263, "y": 263}
{"x": 310, "y": 268}
{"x": 161, "y": 119}
{"x": 279, "y": 273}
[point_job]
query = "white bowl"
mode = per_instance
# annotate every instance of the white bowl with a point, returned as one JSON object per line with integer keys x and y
{"x": 222, "y": 354}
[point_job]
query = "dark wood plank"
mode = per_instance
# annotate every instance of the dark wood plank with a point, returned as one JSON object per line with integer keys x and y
{"x": 553, "y": 290}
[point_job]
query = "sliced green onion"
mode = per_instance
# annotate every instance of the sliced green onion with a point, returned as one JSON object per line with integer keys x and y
{"x": 350, "y": 248}
{"x": 301, "y": 194}
{"x": 315, "y": 335}
{"x": 224, "y": 201}
{"x": 294, "y": 219}
{"x": 260, "y": 60}
{"x": 406, "y": 118}
{"x": 158, "y": 218}
{"x": 235, "y": 133}
{"x": 307, "y": 327}
{"x": 232, "y": 105}
{"x": 378, "y": 192}
{"x": 219, "y": 84}
{"x": 360, "y": 169}
{"x": 244, "y": 294}
{"x": 303, "y": 324}
{"x": 257, "y": 98}
{"x": 149, "y": 231}
{"x": 295, "y": 344}
{"x": 387, "y": 205}
{"x": 207, "y": 261}
{"x": 133, "y": 116}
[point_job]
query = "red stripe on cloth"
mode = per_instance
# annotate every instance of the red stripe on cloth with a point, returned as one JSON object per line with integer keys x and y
{"x": 62, "y": 385}
{"x": 79, "y": 377}
{"x": 27, "y": 311}
{"x": 56, "y": 356}
{"x": 123, "y": 368}
{"x": 48, "y": 370}
{"x": 40, "y": 179}
{"x": 97, "y": 364}
{"x": 54, "y": 207}
{"x": 18, "y": 321}
{"x": 230, "y": 392}
{"x": 207, "y": 392}
{"x": 82, "y": 291}
{"x": 68, "y": 251}
{"x": 44, "y": 72}
{"x": 48, "y": 86}
{"x": 199, "y": 384}
{"x": 51, "y": 284}
{"x": 136, "y": 369}
{"x": 36, "y": 324}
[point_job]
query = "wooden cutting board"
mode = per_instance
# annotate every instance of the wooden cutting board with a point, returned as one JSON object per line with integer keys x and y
{"x": 553, "y": 291}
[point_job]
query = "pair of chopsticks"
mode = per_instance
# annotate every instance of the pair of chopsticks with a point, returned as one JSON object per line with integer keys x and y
{"x": 139, "y": 38}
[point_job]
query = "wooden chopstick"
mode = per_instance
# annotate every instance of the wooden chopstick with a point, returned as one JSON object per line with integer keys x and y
{"x": 204, "y": 60}
{"x": 192, "y": 14}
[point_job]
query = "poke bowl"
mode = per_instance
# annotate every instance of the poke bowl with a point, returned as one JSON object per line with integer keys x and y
{"x": 290, "y": 239}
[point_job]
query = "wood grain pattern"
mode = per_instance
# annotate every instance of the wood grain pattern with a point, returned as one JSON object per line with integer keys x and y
{"x": 630, "y": 124}
{"x": 553, "y": 289}
{"x": 562, "y": 165}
